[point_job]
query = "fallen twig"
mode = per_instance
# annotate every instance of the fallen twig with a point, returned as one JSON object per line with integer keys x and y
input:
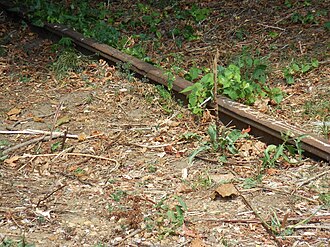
{"x": 269, "y": 26}
{"x": 75, "y": 178}
{"x": 312, "y": 178}
{"x": 50, "y": 194}
{"x": 38, "y": 132}
{"x": 29, "y": 142}
{"x": 70, "y": 154}
{"x": 131, "y": 235}
{"x": 266, "y": 226}
{"x": 47, "y": 136}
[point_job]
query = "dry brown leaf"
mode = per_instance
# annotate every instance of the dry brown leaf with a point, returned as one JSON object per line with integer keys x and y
{"x": 188, "y": 232}
{"x": 221, "y": 178}
{"x": 159, "y": 138}
{"x": 38, "y": 120}
{"x": 182, "y": 188}
{"x": 169, "y": 149}
{"x": 82, "y": 137}
{"x": 173, "y": 123}
{"x": 272, "y": 171}
{"x": 197, "y": 242}
{"x": 11, "y": 161}
{"x": 224, "y": 191}
{"x": 13, "y": 118}
{"x": 14, "y": 111}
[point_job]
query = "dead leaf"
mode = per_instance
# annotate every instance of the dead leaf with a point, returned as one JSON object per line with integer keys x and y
{"x": 11, "y": 161}
{"x": 13, "y": 118}
{"x": 82, "y": 137}
{"x": 170, "y": 149}
{"x": 272, "y": 171}
{"x": 246, "y": 130}
{"x": 221, "y": 178}
{"x": 173, "y": 123}
{"x": 14, "y": 111}
{"x": 182, "y": 188}
{"x": 224, "y": 191}
{"x": 38, "y": 120}
{"x": 159, "y": 138}
{"x": 197, "y": 242}
{"x": 188, "y": 232}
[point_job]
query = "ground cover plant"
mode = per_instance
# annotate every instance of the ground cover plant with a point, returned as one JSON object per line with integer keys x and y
{"x": 127, "y": 165}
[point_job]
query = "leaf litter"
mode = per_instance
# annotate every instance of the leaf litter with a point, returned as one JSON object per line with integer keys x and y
{"x": 125, "y": 180}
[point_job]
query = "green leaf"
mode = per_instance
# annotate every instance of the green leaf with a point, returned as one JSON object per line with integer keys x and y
{"x": 295, "y": 67}
{"x": 196, "y": 152}
{"x": 289, "y": 80}
{"x": 212, "y": 132}
{"x": 305, "y": 68}
{"x": 327, "y": 25}
{"x": 315, "y": 63}
{"x": 182, "y": 203}
{"x": 171, "y": 215}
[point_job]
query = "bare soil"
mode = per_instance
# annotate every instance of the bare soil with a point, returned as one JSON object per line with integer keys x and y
{"x": 104, "y": 187}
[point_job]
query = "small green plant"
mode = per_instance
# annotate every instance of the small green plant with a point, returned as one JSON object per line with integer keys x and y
{"x": 308, "y": 18}
{"x": 79, "y": 171}
{"x": 276, "y": 226}
{"x": 252, "y": 182}
{"x": 204, "y": 181}
{"x": 243, "y": 80}
{"x": 152, "y": 169}
{"x": 298, "y": 68}
{"x": 6, "y": 242}
{"x": 67, "y": 61}
{"x": 274, "y": 154}
{"x": 190, "y": 136}
{"x": 225, "y": 141}
{"x": 56, "y": 146}
{"x": 327, "y": 26}
{"x": 325, "y": 198}
{"x": 118, "y": 195}
{"x": 165, "y": 100}
{"x": 174, "y": 215}
{"x": 199, "y": 14}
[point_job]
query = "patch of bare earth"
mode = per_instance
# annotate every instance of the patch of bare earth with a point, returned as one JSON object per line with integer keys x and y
{"x": 114, "y": 181}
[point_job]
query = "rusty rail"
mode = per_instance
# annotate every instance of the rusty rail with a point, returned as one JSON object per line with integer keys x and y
{"x": 230, "y": 112}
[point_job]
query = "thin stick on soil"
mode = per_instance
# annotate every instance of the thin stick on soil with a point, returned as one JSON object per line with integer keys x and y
{"x": 57, "y": 114}
{"x": 263, "y": 222}
{"x": 70, "y": 154}
{"x": 131, "y": 235}
{"x": 50, "y": 194}
{"x": 27, "y": 143}
{"x": 215, "y": 93}
{"x": 313, "y": 178}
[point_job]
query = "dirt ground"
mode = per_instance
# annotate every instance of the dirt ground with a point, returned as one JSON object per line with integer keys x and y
{"x": 121, "y": 174}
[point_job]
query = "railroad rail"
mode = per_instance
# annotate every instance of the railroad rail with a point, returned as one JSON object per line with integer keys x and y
{"x": 231, "y": 113}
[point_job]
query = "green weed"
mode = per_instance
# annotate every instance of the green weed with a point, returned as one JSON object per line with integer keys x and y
{"x": 274, "y": 154}
{"x": 56, "y": 146}
{"x": 252, "y": 182}
{"x": 225, "y": 141}
{"x": 243, "y": 80}
{"x": 6, "y": 242}
{"x": 174, "y": 216}
{"x": 118, "y": 195}
{"x": 298, "y": 68}
{"x": 325, "y": 198}
{"x": 68, "y": 60}
{"x": 165, "y": 100}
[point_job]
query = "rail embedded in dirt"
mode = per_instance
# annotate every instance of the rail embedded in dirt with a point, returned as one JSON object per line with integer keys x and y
{"x": 230, "y": 112}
